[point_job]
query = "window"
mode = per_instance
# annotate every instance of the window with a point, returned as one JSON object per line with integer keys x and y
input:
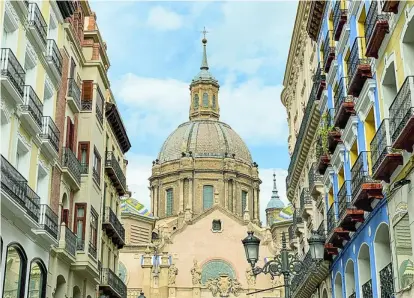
{"x": 195, "y": 103}
{"x": 15, "y": 273}
{"x": 216, "y": 227}
{"x": 170, "y": 202}
{"x": 93, "y": 233}
{"x": 244, "y": 200}
{"x": 42, "y": 184}
{"x": 72, "y": 68}
{"x": 207, "y": 196}
{"x": 80, "y": 222}
{"x": 96, "y": 166}
{"x": 214, "y": 101}
{"x": 87, "y": 95}
{"x": 83, "y": 156}
{"x": 214, "y": 268}
{"x": 205, "y": 99}
{"x": 37, "y": 280}
{"x": 70, "y": 134}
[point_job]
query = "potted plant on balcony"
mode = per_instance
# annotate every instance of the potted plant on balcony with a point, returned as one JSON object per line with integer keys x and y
{"x": 324, "y": 157}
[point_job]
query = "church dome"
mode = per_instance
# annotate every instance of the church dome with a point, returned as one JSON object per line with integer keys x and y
{"x": 275, "y": 203}
{"x": 204, "y": 138}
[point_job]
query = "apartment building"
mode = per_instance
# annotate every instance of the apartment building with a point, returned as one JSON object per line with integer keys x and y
{"x": 359, "y": 177}
{"x": 82, "y": 140}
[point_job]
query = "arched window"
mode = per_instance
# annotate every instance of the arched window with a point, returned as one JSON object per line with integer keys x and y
{"x": 244, "y": 200}
{"x": 214, "y": 269}
{"x": 205, "y": 100}
{"x": 207, "y": 196}
{"x": 15, "y": 273}
{"x": 195, "y": 103}
{"x": 170, "y": 202}
{"x": 122, "y": 272}
{"x": 214, "y": 101}
{"x": 37, "y": 279}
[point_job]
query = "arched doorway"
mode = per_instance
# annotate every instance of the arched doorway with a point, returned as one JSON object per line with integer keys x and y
{"x": 60, "y": 287}
{"x": 383, "y": 260}
{"x": 15, "y": 272}
{"x": 349, "y": 278}
{"x": 364, "y": 268}
{"x": 338, "y": 286}
{"x": 37, "y": 279}
{"x": 325, "y": 294}
{"x": 76, "y": 292}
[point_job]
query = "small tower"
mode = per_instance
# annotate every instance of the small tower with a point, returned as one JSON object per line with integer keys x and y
{"x": 274, "y": 206}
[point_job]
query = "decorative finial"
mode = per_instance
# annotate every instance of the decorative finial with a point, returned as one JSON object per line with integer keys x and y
{"x": 204, "y": 40}
{"x": 274, "y": 185}
{"x": 204, "y": 64}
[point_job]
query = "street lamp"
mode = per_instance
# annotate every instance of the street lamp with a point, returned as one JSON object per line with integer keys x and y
{"x": 141, "y": 295}
{"x": 285, "y": 263}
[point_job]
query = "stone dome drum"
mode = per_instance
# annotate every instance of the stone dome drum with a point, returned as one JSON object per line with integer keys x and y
{"x": 204, "y": 138}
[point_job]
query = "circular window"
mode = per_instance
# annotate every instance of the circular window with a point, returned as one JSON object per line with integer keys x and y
{"x": 215, "y": 268}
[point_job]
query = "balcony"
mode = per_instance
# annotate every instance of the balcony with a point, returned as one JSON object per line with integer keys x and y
{"x": 389, "y": 5}
{"x": 333, "y": 242}
{"x": 66, "y": 248}
{"x": 376, "y": 26}
{"x": 73, "y": 96}
{"x": 317, "y": 9}
{"x": 71, "y": 168}
{"x": 17, "y": 198}
{"x": 328, "y": 50}
{"x": 37, "y": 25}
{"x": 384, "y": 158}
{"x": 334, "y": 133}
{"x": 319, "y": 83}
{"x": 386, "y": 280}
{"x": 349, "y": 217}
{"x": 113, "y": 227}
{"x": 115, "y": 120}
{"x": 305, "y": 203}
{"x": 112, "y": 285}
{"x": 322, "y": 156}
{"x": 365, "y": 190}
{"x": 401, "y": 114}
{"x": 92, "y": 251}
{"x": 359, "y": 68}
{"x": 66, "y": 8}
{"x": 32, "y": 111}
{"x": 297, "y": 223}
{"x": 315, "y": 181}
{"x": 292, "y": 237}
{"x": 367, "y": 289}
{"x": 54, "y": 58}
{"x": 340, "y": 17}
{"x": 115, "y": 173}
{"x": 344, "y": 105}
{"x": 50, "y": 136}
{"x": 12, "y": 75}
{"x": 48, "y": 223}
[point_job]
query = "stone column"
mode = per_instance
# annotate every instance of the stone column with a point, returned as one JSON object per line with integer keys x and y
{"x": 163, "y": 276}
{"x": 190, "y": 193}
{"x": 181, "y": 188}
{"x": 156, "y": 199}
{"x": 147, "y": 269}
{"x": 226, "y": 203}
{"x": 151, "y": 188}
{"x": 234, "y": 186}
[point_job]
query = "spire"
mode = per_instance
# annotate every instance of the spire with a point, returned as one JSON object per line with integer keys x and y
{"x": 275, "y": 194}
{"x": 204, "y": 63}
{"x": 275, "y": 201}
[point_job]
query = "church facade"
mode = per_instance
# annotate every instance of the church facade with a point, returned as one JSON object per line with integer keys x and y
{"x": 204, "y": 192}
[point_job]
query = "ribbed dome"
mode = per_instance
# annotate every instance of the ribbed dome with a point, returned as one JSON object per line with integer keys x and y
{"x": 204, "y": 138}
{"x": 275, "y": 203}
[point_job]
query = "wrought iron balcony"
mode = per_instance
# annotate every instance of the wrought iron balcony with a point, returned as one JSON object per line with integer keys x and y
{"x": 328, "y": 50}
{"x": 359, "y": 68}
{"x": 376, "y": 26}
{"x": 32, "y": 203}
{"x": 319, "y": 84}
{"x": 67, "y": 243}
{"x": 331, "y": 245}
{"x": 32, "y": 110}
{"x": 99, "y": 106}
{"x": 71, "y": 168}
{"x": 401, "y": 115}
{"x": 80, "y": 245}
{"x": 49, "y": 221}
{"x": 297, "y": 222}
{"x": 12, "y": 73}
{"x": 367, "y": 289}
{"x": 364, "y": 189}
{"x": 92, "y": 250}
{"x": 315, "y": 180}
{"x": 348, "y": 215}
{"x": 292, "y": 236}
{"x": 384, "y": 158}
{"x": 344, "y": 105}
{"x": 50, "y": 134}
{"x": 96, "y": 175}
{"x": 321, "y": 229}
{"x": 113, "y": 227}
{"x": 305, "y": 203}
{"x": 353, "y": 295}
{"x": 74, "y": 95}
{"x": 317, "y": 9}
{"x": 389, "y": 5}
{"x": 66, "y": 8}
{"x": 112, "y": 285}
{"x": 334, "y": 134}
{"x": 340, "y": 13}
{"x": 322, "y": 156}
{"x": 331, "y": 220}
{"x": 54, "y": 57}
{"x": 37, "y": 23}
{"x": 115, "y": 173}
{"x": 387, "y": 281}
{"x": 114, "y": 119}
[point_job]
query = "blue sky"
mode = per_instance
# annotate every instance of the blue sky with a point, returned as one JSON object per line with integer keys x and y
{"x": 155, "y": 49}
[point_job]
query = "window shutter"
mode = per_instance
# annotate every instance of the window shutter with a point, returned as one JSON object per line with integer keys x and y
{"x": 87, "y": 90}
{"x": 68, "y": 128}
{"x": 83, "y": 146}
{"x": 65, "y": 217}
{"x": 72, "y": 136}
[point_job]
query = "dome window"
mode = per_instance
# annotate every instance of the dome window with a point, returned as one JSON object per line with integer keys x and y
{"x": 205, "y": 100}
{"x": 170, "y": 202}
{"x": 214, "y": 101}
{"x": 216, "y": 226}
{"x": 244, "y": 200}
{"x": 207, "y": 197}
{"x": 195, "y": 103}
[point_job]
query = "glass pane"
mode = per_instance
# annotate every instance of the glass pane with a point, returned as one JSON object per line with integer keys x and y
{"x": 196, "y": 101}
{"x": 205, "y": 100}
{"x": 169, "y": 202}
{"x": 207, "y": 196}
{"x": 79, "y": 229}
{"x": 83, "y": 158}
{"x": 13, "y": 270}
{"x": 81, "y": 212}
{"x": 244, "y": 200}
{"x": 36, "y": 281}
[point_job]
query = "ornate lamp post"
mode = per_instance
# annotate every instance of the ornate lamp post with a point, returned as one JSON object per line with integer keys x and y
{"x": 285, "y": 263}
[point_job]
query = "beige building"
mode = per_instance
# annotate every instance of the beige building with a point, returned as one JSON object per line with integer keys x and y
{"x": 204, "y": 192}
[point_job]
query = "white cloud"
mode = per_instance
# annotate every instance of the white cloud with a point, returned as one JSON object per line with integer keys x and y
{"x": 164, "y": 19}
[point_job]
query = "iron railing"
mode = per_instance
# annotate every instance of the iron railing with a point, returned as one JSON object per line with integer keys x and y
{"x": 50, "y": 132}
{"x": 11, "y": 68}
{"x": 331, "y": 219}
{"x": 339, "y": 12}
{"x": 360, "y": 172}
{"x": 305, "y": 200}
{"x": 357, "y": 57}
{"x": 371, "y": 20}
{"x": 92, "y": 250}
{"x": 86, "y": 105}
{"x": 380, "y": 145}
{"x": 84, "y": 168}
{"x": 32, "y": 202}
{"x": 328, "y": 49}
{"x": 99, "y": 105}
{"x": 321, "y": 228}
{"x": 367, "y": 289}
{"x": 344, "y": 199}
{"x": 37, "y": 21}
{"x": 340, "y": 94}
{"x": 49, "y": 220}
{"x": 80, "y": 244}
{"x": 96, "y": 175}
{"x": 109, "y": 278}
{"x": 402, "y": 109}
{"x": 74, "y": 92}
{"x": 32, "y": 105}
{"x": 70, "y": 161}
{"x": 353, "y": 295}
{"x": 314, "y": 176}
{"x": 111, "y": 162}
{"x": 297, "y": 280}
{"x": 70, "y": 240}
{"x": 53, "y": 55}
{"x": 111, "y": 218}
{"x": 291, "y": 233}
{"x": 387, "y": 281}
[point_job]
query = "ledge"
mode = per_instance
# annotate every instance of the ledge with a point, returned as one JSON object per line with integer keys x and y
{"x": 337, "y": 160}
{"x": 343, "y": 40}
{"x": 330, "y": 78}
{"x": 366, "y": 99}
{"x": 350, "y": 132}
{"x": 114, "y": 119}
{"x": 327, "y": 178}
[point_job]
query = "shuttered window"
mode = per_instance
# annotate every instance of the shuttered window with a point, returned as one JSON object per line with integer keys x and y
{"x": 207, "y": 196}
{"x": 170, "y": 202}
{"x": 205, "y": 100}
{"x": 70, "y": 134}
{"x": 195, "y": 104}
{"x": 87, "y": 90}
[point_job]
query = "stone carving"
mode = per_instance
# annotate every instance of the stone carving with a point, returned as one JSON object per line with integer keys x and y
{"x": 224, "y": 286}
{"x": 196, "y": 273}
{"x": 251, "y": 278}
{"x": 172, "y": 274}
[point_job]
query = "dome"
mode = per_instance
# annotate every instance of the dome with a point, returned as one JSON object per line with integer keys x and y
{"x": 204, "y": 138}
{"x": 275, "y": 203}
